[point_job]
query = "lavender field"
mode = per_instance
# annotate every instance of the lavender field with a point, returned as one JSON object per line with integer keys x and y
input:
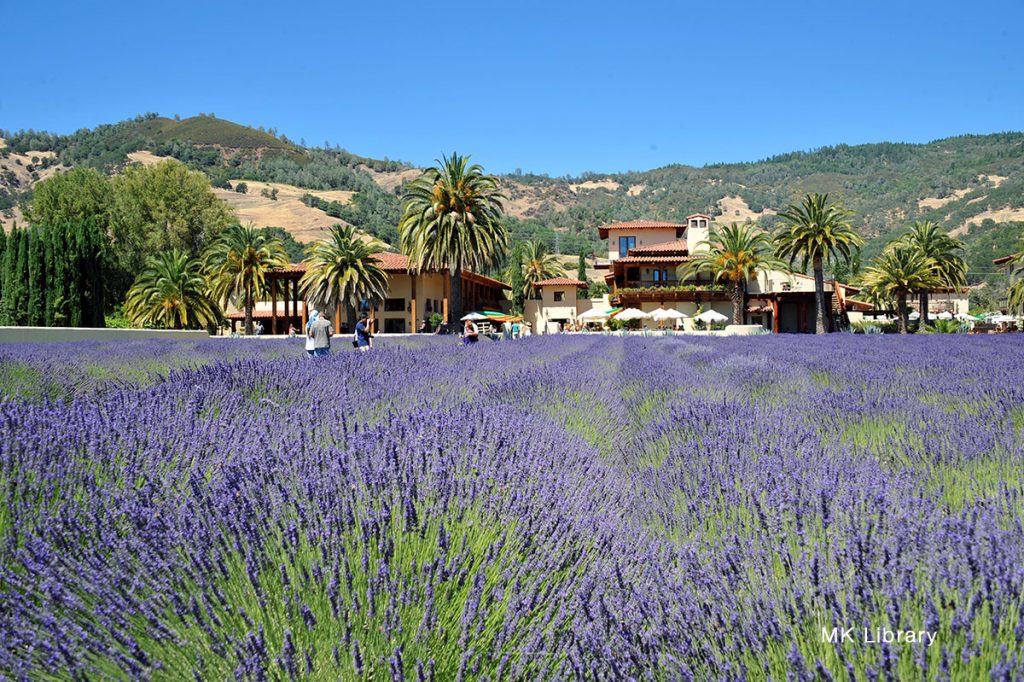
{"x": 558, "y": 508}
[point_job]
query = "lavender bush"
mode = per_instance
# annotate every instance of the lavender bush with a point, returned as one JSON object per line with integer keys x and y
{"x": 555, "y": 508}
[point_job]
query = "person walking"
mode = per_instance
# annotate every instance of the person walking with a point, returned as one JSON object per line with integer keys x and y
{"x": 364, "y": 339}
{"x": 321, "y": 332}
{"x": 517, "y": 330}
{"x": 313, "y": 316}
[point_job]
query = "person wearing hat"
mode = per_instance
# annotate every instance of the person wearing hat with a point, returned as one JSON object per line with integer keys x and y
{"x": 310, "y": 342}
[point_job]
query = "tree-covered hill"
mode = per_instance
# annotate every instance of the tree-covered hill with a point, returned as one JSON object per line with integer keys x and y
{"x": 973, "y": 185}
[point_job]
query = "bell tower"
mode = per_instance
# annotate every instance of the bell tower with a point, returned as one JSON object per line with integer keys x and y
{"x": 698, "y": 226}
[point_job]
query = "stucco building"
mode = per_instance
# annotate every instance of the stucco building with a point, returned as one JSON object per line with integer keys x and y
{"x": 644, "y": 257}
{"x": 411, "y": 300}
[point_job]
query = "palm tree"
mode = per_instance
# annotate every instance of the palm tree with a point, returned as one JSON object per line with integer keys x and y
{"x": 452, "y": 219}
{"x": 733, "y": 254}
{"x": 171, "y": 292}
{"x": 237, "y": 264}
{"x": 932, "y": 241}
{"x": 343, "y": 269}
{"x": 814, "y": 232}
{"x": 534, "y": 264}
{"x": 900, "y": 270}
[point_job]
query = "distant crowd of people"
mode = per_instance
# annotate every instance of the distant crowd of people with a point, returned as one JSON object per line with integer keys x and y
{"x": 509, "y": 331}
{"x": 319, "y": 331}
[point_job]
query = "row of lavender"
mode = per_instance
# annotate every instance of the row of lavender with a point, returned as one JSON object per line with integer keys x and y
{"x": 591, "y": 508}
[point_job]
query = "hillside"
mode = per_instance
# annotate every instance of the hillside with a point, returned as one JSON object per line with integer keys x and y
{"x": 973, "y": 185}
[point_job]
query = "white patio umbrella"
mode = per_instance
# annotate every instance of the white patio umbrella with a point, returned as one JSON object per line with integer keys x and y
{"x": 592, "y": 315}
{"x": 966, "y": 317}
{"x": 914, "y": 315}
{"x": 711, "y": 316}
{"x": 662, "y": 314}
{"x": 475, "y": 317}
{"x": 944, "y": 315}
{"x": 632, "y": 314}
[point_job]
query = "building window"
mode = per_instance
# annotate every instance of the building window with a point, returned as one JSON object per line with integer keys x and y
{"x": 632, "y": 274}
{"x": 430, "y": 308}
{"x": 559, "y": 296}
{"x": 625, "y": 244}
{"x": 394, "y": 305}
{"x": 437, "y": 306}
{"x": 660, "y": 276}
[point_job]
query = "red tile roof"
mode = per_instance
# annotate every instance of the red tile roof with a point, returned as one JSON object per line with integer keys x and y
{"x": 698, "y": 215}
{"x": 485, "y": 280}
{"x": 397, "y": 262}
{"x": 293, "y": 269}
{"x": 392, "y": 262}
{"x": 641, "y": 225}
{"x": 1003, "y": 259}
{"x": 651, "y": 260}
{"x": 263, "y": 314}
{"x": 678, "y": 245}
{"x": 559, "y": 282}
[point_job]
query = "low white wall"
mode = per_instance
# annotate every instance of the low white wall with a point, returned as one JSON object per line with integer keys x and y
{"x": 743, "y": 329}
{"x": 59, "y": 334}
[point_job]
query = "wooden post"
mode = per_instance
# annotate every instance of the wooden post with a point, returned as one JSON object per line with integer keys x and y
{"x": 305, "y": 312}
{"x": 295, "y": 298}
{"x": 337, "y": 316}
{"x": 775, "y": 316}
{"x": 444, "y": 300}
{"x": 273, "y": 305}
{"x": 287, "y": 296}
{"x": 412, "y": 305}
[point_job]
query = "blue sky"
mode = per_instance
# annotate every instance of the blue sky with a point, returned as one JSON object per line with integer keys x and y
{"x": 550, "y": 87}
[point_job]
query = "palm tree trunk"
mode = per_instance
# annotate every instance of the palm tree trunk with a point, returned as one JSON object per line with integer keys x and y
{"x": 901, "y": 311}
{"x": 819, "y": 296}
{"x": 350, "y": 318}
{"x": 455, "y": 302}
{"x": 248, "y": 310}
{"x": 737, "y": 302}
{"x": 923, "y": 305}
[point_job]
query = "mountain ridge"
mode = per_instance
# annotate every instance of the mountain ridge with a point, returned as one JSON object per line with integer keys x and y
{"x": 972, "y": 185}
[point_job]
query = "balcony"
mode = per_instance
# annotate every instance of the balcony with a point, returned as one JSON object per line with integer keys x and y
{"x": 648, "y": 283}
{"x": 649, "y": 290}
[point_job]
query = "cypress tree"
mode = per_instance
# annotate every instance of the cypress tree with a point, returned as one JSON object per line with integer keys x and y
{"x": 59, "y": 289}
{"x": 3, "y": 249}
{"x": 581, "y": 273}
{"x": 50, "y": 290}
{"x": 516, "y": 276}
{"x": 21, "y": 311}
{"x": 93, "y": 308}
{"x": 9, "y": 268}
{"x": 73, "y": 273}
{"x": 35, "y": 311}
